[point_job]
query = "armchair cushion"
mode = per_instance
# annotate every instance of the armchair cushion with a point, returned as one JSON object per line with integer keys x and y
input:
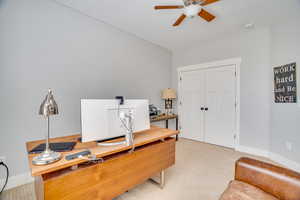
{"x": 280, "y": 182}
{"x": 238, "y": 190}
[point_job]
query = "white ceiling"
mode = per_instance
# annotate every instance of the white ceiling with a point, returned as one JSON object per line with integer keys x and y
{"x": 139, "y": 18}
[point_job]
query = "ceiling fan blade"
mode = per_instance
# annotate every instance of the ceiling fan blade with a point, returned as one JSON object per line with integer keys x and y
{"x": 179, "y": 20}
{"x": 206, "y": 2}
{"x": 206, "y": 15}
{"x": 168, "y": 7}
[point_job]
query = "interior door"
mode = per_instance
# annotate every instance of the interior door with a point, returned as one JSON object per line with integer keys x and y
{"x": 192, "y": 97}
{"x": 220, "y": 98}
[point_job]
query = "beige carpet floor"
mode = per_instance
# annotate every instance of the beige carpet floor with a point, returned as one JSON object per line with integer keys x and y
{"x": 202, "y": 172}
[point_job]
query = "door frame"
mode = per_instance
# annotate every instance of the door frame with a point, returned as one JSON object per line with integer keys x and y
{"x": 217, "y": 64}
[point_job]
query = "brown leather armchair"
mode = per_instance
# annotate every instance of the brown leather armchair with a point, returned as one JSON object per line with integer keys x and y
{"x": 262, "y": 181}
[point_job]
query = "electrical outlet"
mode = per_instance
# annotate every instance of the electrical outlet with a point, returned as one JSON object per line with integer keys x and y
{"x": 288, "y": 146}
{"x": 2, "y": 159}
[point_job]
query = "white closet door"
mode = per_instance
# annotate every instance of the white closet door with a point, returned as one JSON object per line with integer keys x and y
{"x": 220, "y": 94}
{"x": 192, "y": 89}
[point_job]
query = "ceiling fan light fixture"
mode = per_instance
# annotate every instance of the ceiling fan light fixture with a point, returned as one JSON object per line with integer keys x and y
{"x": 192, "y": 10}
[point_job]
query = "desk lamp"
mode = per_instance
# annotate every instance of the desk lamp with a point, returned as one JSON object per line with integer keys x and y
{"x": 168, "y": 95}
{"x": 47, "y": 108}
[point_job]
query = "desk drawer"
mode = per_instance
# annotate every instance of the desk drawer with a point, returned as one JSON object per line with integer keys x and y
{"x": 114, "y": 176}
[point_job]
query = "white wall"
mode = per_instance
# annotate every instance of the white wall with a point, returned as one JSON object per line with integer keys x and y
{"x": 46, "y": 45}
{"x": 285, "y": 118}
{"x": 254, "y": 48}
{"x": 265, "y": 126}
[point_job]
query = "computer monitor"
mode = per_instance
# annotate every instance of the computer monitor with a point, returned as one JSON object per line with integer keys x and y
{"x": 100, "y": 118}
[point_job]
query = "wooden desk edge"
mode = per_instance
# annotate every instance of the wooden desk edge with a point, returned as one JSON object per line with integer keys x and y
{"x": 163, "y": 117}
{"x": 78, "y": 161}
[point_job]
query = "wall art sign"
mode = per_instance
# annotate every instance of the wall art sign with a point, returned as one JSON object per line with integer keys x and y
{"x": 285, "y": 85}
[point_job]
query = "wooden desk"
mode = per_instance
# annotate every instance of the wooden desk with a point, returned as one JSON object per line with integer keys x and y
{"x": 166, "y": 119}
{"x": 120, "y": 171}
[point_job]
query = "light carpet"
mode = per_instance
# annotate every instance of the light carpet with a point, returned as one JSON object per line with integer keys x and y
{"x": 202, "y": 172}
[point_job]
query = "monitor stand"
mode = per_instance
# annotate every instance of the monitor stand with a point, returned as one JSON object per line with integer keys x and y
{"x": 127, "y": 122}
{"x": 104, "y": 140}
{"x": 112, "y": 138}
{"x": 102, "y": 143}
{"x": 128, "y": 141}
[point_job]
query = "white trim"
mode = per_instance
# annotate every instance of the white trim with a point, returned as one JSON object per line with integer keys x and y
{"x": 17, "y": 180}
{"x": 285, "y": 162}
{"x": 233, "y": 61}
{"x": 253, "y": 151}
{"x": 216, "y": 64}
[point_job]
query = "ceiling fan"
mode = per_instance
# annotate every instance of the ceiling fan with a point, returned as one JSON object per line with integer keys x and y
{"x": 191, "y": 8}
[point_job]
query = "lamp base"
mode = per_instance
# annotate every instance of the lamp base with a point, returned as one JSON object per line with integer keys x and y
{"x": 46, "y": 157}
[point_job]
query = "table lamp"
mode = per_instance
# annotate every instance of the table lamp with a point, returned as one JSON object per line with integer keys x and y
{"x": 168, "y": 95}
{"x": 47, "y": 108}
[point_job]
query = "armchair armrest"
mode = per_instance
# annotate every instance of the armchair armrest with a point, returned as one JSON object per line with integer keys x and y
{"x": 277, "y": 181}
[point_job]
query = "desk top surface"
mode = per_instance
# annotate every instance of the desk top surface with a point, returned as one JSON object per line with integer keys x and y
{"x": 140, "y": 138}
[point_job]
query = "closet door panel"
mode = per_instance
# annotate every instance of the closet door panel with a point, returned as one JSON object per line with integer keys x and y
{"x": 192, "y": 99}
{"x": 220, "y": 94}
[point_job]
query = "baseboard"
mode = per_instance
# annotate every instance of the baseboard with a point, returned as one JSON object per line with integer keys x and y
{"x": 253, "y": 151}
{"x": 20, "y": 179}
{"x": 285, "y": 162}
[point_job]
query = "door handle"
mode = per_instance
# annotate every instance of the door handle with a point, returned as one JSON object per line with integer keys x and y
{"x": 206, "y": 109}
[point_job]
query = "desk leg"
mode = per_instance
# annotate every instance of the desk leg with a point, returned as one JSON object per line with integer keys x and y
{"x": 167, "y": 123}
{"x": 161, "y": 182}
{"x": 177, "y": 128}
{"x": 39, "y": 188}
{"x": 162, "y": 179}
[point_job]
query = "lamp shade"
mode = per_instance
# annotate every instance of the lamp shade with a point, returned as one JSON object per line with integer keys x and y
{"x": 168, "y": 94}
{"x": 48, "y": 106}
